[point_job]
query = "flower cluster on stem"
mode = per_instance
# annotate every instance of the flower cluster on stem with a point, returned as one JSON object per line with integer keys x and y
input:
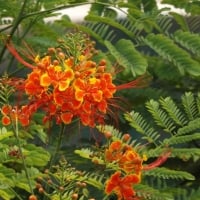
{"x": 129, "y": 166}
{"x": 66, "y": 84}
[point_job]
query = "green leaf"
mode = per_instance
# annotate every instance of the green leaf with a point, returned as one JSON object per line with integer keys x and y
{"x": 186, "y": 153}
{"x": 142, "y": 126}
{"x": 127, "y": 56}
{"x": 38, "y": 130}
{"x": 180, "y": 19}
{"x": 189, "y": 104}
{"x": 110, "y": 22}
{"x": 84, "y": 153}
{"x": 165, "y": 173}
{"x": 147, "y": 192}
{"x": 190, "y": 127}
{"x": 94, "y": 180}
{"x": 85, "y": 192}
{"x": 188, "y": 40}
{"x": 36, "y": 156}
{"x": 21, "y": 180}
{"x": 166, "y": 48}
{"x": 182, "y": 139}
{"x": 6, "y": 194}
{"x": 4, "y": 134}
{"x": 174, "y": 112}
{"x": 160, "y": 116}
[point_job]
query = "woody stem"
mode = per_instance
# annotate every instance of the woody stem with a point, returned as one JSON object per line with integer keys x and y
{"x": 53, "y": 158}
{"x": 16, "y": 132}
{"x": 57, "y": 146}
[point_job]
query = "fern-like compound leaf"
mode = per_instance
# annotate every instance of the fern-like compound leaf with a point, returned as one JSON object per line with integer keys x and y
{"x": 165, "y": 173}
{"x": 167, "y": 49}
{"x": 136, "y": 120}
{"x": 174, "y": 112}
{"x": 188, "y": 40}
{"x": 182, "y": 139}
{"x": 189, "y": 104}
{"x": 160, "y": 116}
{"x": 129, "y": 58}
{"x": 147, "y": 192}
{"x": 190, "y": 127}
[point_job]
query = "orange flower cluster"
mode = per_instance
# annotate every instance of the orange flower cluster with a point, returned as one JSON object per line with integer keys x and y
{"x": 130, "y": 167}
{"x": 66, "y": 91}
{"x": 67, "y": 87}
{"x": 122, "y": 186}
{"x": 13, "y": 114}
{"x": 67, "y": 84}
{"x": 125, "y": 156}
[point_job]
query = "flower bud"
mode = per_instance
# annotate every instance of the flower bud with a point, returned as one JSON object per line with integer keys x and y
{"x": 32, "y": 197}
{"x": 75, "y": 196}
{"x": 108, "y": 134}
{"x": 126, "y": 137}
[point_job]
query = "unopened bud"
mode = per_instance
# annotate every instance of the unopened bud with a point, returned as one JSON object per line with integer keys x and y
{"x": 126, "y": 137}
{"x": 108, "y": 134}
{"x": 74, "y": 196}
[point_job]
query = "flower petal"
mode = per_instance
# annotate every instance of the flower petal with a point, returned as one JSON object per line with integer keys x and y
{"x": 6, "y": 120}
{"x": 97, "y": 96}
{"x": 79, "y": 94}
{"x": 69, "y": 74}
{"x": 45, "y": 80}
{"x": 66, "y": 117}
{"x": 5, "y": 110}
{"x": 102, "y": 106}
{"x": 113, "y": 182}
{"x": 63, "y": 85}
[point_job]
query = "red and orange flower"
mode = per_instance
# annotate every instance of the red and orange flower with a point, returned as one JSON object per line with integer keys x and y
{"x": 127, "y": 166}
{"x": 127, "y": 158}
{"x": 122, "y": 186}
{"x": 68, "y": 84}
{"x": 13, "y": 114}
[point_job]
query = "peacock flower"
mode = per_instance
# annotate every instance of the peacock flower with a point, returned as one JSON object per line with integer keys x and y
{"x": 122, "y": 186}
{"x": 45, "y": 80}
{"x": 125, "y": 156}
{"x": 131, "y": 162}
{"x": 14, "y": 114}
{"x": 5, "y": 111}
{"x": 43, "y": 63}
{"x": 32, "y": 83}
{"x": 67, "y": 84}
{"x": 114, "y": 152}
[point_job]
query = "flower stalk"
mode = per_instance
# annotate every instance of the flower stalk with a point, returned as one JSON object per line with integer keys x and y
{"x": 59, "y": 141}
{"x": 16, "y": 133}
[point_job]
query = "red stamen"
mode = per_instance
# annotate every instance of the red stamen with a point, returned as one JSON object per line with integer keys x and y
{"x": 159, "y": 161}
{"x": 140, "y": 82}
{"x": 13, "y": 51}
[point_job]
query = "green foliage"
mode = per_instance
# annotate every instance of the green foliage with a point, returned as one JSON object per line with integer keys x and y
{"x": 174, "y": 127}
{"x": 143, "y": 40}
{"x": 166, "y": 48}
{"x": 190, "y": 6}
{"x": 126, "y": 57}
{"x": 143, "y": 127}
{"x": 11, "y": 171}
{"x": 189, "y": 41}
{"x": 165, "y": 173}
{"x": 162, "y": 175}
{"x": 148, "y": 192}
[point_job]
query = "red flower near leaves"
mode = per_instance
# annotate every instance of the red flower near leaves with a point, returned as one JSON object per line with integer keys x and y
{"x": 68, "y": 85}
{"x": 11, "y": 114}
{"x": 114, "y": 152}
{"x": 122, "y": 186}
{"x": 131, "y": 162}
{"x": 127, "y": 158}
